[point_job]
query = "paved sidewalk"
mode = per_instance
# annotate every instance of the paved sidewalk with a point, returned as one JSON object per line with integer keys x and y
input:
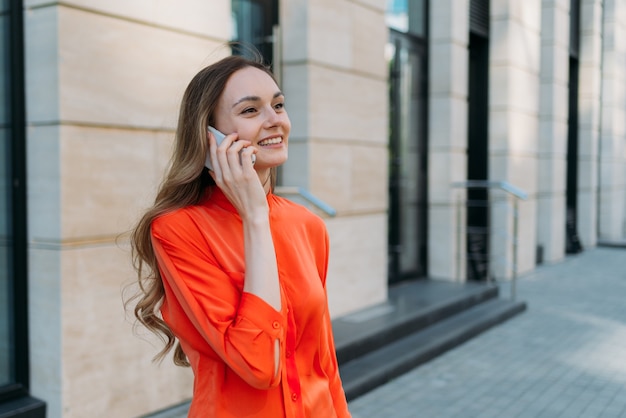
{"x": 564, "y": 357}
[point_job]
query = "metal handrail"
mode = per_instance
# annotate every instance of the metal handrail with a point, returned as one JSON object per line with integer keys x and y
{"x": 306, "y": 195}
{"x": 514, "y": 191}
{"x": 487, "y": 184}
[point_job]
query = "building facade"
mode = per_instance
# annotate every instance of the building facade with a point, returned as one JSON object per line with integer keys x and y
{"x": 395, "y": 106}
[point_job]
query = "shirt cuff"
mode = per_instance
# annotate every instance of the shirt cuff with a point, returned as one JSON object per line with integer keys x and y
{"x": 257, "y": 311}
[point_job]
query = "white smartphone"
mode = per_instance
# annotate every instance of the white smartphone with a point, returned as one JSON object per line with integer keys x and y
{"x": 219, "y": 137}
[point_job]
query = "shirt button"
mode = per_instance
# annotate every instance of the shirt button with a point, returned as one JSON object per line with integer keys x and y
{"x": 294, "y": 397}
{"x": 276, "y": 324}
{"x": 288, "y": 353}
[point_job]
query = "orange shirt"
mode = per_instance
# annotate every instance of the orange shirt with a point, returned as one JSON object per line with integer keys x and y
{"x": 228, "y": 335}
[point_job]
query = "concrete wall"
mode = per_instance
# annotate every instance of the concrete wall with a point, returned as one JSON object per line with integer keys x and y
{"x": 553, "y": 131}
{"x": 589, "y": 110}
{"x": 529, "y": 75}
{"x": 104, "y": 80}
{"x": 335, "y": 78}
{"x": 515, "y": 57}
{"x": 612, "y": 147}
{"x": 447, "y": 135}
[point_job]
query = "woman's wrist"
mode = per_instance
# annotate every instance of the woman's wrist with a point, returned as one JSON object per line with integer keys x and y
{"x": 256, "y": 218}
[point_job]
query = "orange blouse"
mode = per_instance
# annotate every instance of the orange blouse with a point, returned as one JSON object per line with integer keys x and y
{"x": 228, "y": 335}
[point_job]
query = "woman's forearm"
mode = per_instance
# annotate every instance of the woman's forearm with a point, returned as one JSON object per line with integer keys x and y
{"x": 261, "y": 270}
{"x": 261, "y": 276}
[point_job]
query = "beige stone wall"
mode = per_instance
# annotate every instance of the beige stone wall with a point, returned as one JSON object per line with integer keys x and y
{"x": 447, "y": 136}
{"x": 590, "y": 77}
{"x": 514, "y": 122}
{"x": 553, "y": 116}
{"x": 104, "y": 80}
{"x": 335, "y": 80}
{"x": 612, "y": 147}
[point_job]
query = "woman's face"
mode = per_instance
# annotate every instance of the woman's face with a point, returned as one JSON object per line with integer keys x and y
{"x": 253, "y": 106}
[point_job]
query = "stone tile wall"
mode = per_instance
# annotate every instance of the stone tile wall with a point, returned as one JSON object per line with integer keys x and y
{"x": 589, "y": 119}
{"x": 612, "y": 147}
{"x": 447, "y": 136}
{"x": 553, "y": 131}
{"x": 515, "y": 57}
{"x": 335, "y": 80}
{"x": 104, "y": 81}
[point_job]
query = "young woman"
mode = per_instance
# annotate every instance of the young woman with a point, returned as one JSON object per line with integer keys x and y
{"x": 231, "y": 271}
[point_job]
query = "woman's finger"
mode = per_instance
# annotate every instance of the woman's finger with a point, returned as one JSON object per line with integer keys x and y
{"x": 221, "y": 150}
{"x": 248, "y": 157}
{"x": 234, "y": 153}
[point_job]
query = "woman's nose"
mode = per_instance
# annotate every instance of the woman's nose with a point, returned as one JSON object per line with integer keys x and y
{"x": 273, "y": 117}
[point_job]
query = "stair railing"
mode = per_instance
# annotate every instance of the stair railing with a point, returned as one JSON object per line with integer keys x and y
{"x": 307, "y": 196}
{"x": 511, "y": 191}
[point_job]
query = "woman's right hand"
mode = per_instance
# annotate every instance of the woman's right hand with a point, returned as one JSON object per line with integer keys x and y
{"x": 234, "y": 174}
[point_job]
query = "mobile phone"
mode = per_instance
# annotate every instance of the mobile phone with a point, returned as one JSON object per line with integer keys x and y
{"x": 219, "y": 137}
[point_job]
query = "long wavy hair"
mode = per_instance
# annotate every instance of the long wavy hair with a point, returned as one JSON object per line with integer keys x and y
{"x": 185, "y": 183}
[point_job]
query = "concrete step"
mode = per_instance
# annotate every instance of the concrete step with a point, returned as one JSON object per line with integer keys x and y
{"x": 377, "y": 367}
{"x": 411, "y": 306}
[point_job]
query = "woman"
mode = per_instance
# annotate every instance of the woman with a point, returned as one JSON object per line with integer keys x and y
{"x": 237, "y": 274}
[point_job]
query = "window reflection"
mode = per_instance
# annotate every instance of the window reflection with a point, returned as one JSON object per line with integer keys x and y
{"x": 253, "y": 24}
{"x": 407, "y": 16}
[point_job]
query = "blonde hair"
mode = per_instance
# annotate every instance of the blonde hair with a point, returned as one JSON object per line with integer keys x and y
{"x": 185, "y": 183}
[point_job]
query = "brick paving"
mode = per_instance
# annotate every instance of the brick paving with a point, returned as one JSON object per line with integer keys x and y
{"x": 564, "y": 357}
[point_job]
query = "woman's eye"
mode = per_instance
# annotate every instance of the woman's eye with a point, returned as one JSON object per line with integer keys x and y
{"x": 279, "y": 105}
{"x": 248, "y": 110}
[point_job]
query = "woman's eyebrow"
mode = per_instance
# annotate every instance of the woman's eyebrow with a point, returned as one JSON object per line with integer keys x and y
{"x": 256, "y": 98}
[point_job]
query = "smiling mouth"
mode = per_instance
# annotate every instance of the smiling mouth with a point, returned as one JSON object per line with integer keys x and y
{"x": 271, "y": 141}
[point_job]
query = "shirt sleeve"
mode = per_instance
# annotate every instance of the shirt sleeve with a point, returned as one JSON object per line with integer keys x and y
{"x": 241, "y": 328}
{"x": 331, "y": 368}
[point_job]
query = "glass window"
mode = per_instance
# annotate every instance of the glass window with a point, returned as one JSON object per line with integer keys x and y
{"x": 7, "y": 374}
{"x": 6, "y": 317}
{"x": 406, "y": 53}
{"x": 408, "y": 155}
{"x": 407, "y": 16}
{"x": 253, "y": 24}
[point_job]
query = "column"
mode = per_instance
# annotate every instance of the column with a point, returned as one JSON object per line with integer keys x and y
{"x": 514, "y": 125}
{"x": 590, "y": 59}
{"x": 104, "y": 82}
{"x": 335, "y": 80}
{"x": 612, "y": 180}
{"x": 447, "y": 136}
{"x": 553, "y": 111}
